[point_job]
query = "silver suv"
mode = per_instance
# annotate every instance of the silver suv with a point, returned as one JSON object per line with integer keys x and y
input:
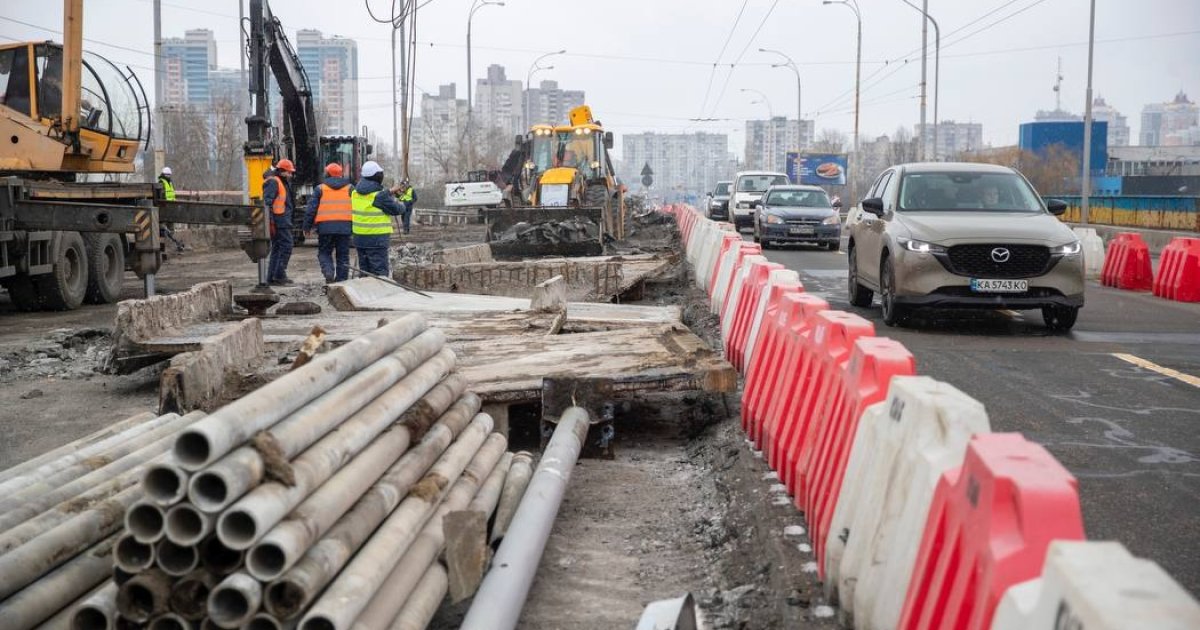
{"x": 963, "y": 235}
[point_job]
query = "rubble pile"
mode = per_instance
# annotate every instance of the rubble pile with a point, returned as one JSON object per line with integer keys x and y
{"x": 573, "y": 230}
{"x": 63, "y": 353}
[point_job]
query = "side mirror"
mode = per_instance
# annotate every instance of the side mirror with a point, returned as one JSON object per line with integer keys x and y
{"x": 873, "y": 205}
{"x": 708, "y": 194}
{"x": 519, "y": 142}
{"x": 837, "y": 204}
{"x": 756, "y": 204}
{"x": 608, "y": 140}
{"x": 1056, "y": 207}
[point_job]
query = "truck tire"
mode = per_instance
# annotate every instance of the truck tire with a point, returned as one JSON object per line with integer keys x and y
{"x": 63, "y": 289}
{"x": 106, "y": 267}
{"x": 22, "y": 292}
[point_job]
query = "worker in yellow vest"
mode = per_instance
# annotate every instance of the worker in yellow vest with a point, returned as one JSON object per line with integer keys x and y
{"x": 372, "y": 208}
{"x": 165, "y": 229}
{"x": 330, "y": 212}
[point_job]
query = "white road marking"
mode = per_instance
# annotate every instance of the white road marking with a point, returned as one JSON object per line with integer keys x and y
{"x": 1194, "y": 381}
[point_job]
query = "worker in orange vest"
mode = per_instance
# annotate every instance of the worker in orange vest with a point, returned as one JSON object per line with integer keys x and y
{"x": 277, "y": 200}
{"x": 329, "y": 210}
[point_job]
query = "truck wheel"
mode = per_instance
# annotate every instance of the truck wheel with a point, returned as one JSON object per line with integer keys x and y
{"x": 106, "y": 268}
{"x": 22, "y": 292}
{"x": 64, "y": 288}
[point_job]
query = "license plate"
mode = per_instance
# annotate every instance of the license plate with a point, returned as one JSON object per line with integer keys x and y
{"x": 802, "y": 230}
{"x": 980, "y": 285}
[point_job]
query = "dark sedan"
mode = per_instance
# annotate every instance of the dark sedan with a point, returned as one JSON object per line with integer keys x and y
{"x": 718, "y": 202}
{"x": 797, "y": 214}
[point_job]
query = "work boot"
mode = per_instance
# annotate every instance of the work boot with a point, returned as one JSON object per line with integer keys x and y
{"x": 282, "y": 282}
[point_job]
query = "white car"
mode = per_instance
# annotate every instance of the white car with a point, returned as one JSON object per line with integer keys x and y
{"x": 748, "y": 188}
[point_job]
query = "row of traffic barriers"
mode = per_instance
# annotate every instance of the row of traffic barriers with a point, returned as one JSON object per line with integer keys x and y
{"x": 1127, "y": 266}
{"x": 919, "y": 516}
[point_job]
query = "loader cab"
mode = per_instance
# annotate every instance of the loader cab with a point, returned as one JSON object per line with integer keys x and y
{"x": 349, "y": 151}
{"x": 543, "y": 143}
{"x": 585, "y": 150}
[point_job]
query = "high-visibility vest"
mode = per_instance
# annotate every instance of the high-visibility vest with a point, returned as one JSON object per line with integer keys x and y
{"x": 334, "y": 205}
{"x": 279, "y": 206}
{"x": 368, "y": 220}
{"x": 168, "y": 189}
{"x": 407, "y": 195}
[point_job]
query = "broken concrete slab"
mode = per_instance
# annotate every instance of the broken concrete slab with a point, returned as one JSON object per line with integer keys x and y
{"x": 144, "y": 319}
{"x": 550, "y": 296}
{"x": 464, "y": 255}
{"x": 467, "y": 552}
{"x": 198, "y": 379}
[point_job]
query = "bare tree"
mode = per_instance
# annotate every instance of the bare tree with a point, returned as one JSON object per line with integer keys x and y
{"x": 830, "y": 141}
{"x": 903, "y": 147}
{"x": 1055, "y": 171}
{"x": 446, "y": 150}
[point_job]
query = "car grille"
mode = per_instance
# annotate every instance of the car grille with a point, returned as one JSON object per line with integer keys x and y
{"x": 803, "y": 222}
{"x": 976, "y": 261}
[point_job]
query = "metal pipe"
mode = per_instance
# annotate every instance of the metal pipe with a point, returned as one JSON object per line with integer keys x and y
{"x": 170, "y": 621}
{"x": 234, "y": 601}
{"x": 98, "y": 611}
{"x": 145, "y": 596}
{"x": 62, "y": 619}
{"x": 428, "y": 545}
{"x": 45, "y": 597}
{"x": 488, "y": 496}
{"x": 235, "y": 423}
{"x": 131, "y": 555}
{"x": 501, "y": 596}
{"x": 219, "y": 559}
{"x": 347, "y": 596}
{"x": 16, "y": 512}
{"x": 44, "y": 480}
{"x": 219, "y": 485}
{"x": 240, "y": 526}
{"x": 165, "y": 483}
{"x": 514, "y": 488}
{"x": 286, "y": 543}
{"x": 40, "y": 524}
{"x": 27, "y": 563}
{"x": 146, "y": 521}
{"x": 189, "y": 596}
{"x": 86, "y": 444}
{"x": 264, "y": 621}
{"x": 188, "y": 526}
{"x": 423, "y": 604}
{"x": 176, "y": 560}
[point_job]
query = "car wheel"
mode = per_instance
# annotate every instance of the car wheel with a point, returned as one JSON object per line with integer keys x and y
{"x": 859, "y": 295}
{"x": 1060, "y": 318}
{"x": 893, "y": 314}
{"x": 833, "y": 246}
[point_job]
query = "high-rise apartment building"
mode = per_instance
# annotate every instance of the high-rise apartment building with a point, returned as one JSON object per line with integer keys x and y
{"x": 768, "y": 142}
{"x": 1118, "y": 126}
{"x": 549, "y": 104}
{"x": 1161, "y": 122}
{"x": 332, "y": 67}
{"x": 498, "y": 103}
{"x": 685, "y": 162}
{"x": 438, "y": 147}
{"x": 953, "y": 138}
{"x": 187, "y": 64}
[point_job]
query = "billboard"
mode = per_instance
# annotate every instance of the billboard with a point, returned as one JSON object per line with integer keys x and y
{"x": 817, "y": 169}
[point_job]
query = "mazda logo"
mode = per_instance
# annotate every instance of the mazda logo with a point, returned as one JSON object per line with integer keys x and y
{"x": 1001, "y": 255}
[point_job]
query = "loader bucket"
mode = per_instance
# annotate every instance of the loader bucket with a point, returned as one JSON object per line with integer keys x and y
{"x": 545, "y": 231}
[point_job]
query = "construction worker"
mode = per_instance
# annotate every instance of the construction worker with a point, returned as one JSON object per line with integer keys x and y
{"x": 278, "y": 202}
{"x": 329, "y": 209}
{"x": 372, "y": 207}
{"x": 164, "y": 229}
{"x": 407, "y": 199}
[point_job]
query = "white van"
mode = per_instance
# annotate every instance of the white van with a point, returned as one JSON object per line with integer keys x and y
{"x": 748, "y": 187}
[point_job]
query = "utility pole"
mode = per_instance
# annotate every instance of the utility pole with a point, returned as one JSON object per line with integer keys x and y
{"x": 155, "y": 154}
{"x": 402, "y": 148}
{"x": 924, "y": 63}
{"x": 242, "y": 47}
{"x": 1086, "y": 189}
{"x": 395, "y": 126}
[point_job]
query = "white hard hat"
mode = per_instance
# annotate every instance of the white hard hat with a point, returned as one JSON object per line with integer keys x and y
{"x": 370, "y": 168}
{"x": 166, "y": 170}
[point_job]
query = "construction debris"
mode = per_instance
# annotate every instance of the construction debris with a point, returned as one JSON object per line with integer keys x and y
{"x": 573, "y": 230}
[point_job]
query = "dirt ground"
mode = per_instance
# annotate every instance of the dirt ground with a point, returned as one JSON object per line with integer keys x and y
{"x": 685, "y": 505}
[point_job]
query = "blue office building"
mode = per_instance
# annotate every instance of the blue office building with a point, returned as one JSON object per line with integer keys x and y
{"x": 187, "y": 63}
{"x": 1038, "y": 137}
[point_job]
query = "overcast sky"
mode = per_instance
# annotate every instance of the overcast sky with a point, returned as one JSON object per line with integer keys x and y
{"x": 648, "y": 64}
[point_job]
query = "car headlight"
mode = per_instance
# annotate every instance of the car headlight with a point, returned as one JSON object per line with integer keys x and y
{"x": 921, "y": 247}
{"x": 772, "y": 219}
{"x": 833, "y": 220}
{"x": 1070, "y": 249}
{"x": 743, "y": 205}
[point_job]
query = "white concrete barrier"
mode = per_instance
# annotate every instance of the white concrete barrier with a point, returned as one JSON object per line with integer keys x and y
{"x": 707, "y": 264}
{"x": 1097, "y": 586}
{"x": 699, "y": 234}
{"x": 775, "y": 278}
{"x": 704, "y": 250}
{"x": 735, "y": 290}
{"x": 1093, "y": 251}
{"x": 901, "y": 447}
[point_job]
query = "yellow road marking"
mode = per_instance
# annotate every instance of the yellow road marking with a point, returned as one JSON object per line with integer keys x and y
{"x": 1194, "y": 381}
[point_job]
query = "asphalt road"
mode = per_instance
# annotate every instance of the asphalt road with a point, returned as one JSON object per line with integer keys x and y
{"x": 1127, "y": 431}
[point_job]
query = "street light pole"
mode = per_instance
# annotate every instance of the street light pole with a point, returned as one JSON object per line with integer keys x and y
{"x": 533, "y": 68}
{"x": 937, "y": 83}
{"x": 475, "y": 6}
{"x": 1086, "y": 189}
{"x": 853, "y": 6}
{"x": 799, "y": 93}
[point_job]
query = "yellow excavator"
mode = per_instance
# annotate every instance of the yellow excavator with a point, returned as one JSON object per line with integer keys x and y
{"x": 569, "y": 201}
{"x": 66, "y": 115}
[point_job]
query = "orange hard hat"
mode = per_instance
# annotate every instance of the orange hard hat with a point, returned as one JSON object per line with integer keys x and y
{"x": 333, "y": 169}
{"x": 285, "y": 165}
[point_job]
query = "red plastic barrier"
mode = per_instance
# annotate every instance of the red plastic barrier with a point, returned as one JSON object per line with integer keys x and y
{"x": 760, "y": 366}
{"x": 832, "y": 341}
{"x": 752, "y": 288}
{"x": 1127, "y": 265}
{"x": 1108, "y": 276}
{"x": 865, "y": 381}
{"x": 747, "y": 249}
{"x": 727, "y": 240}
{"x": 771, "y": 371}
{"x": 1179, "y": 271}
{"x": 989, "y": 525}
{"x": 786, "y": 381}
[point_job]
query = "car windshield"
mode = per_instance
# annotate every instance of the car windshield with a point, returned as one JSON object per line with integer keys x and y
{"x": 967, "y": 191}
{"x": 798, "y": 198}
{"x": 759, "y": 183}
{"x": 722, "y": 189}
